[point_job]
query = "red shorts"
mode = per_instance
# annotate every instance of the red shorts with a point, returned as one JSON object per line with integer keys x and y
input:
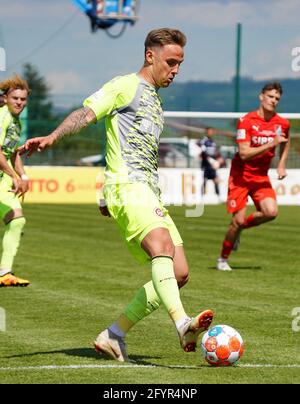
{"x": 239, "y": 189}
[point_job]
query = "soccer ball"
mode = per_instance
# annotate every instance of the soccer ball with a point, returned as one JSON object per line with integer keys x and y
{"x": 222, "y": 346}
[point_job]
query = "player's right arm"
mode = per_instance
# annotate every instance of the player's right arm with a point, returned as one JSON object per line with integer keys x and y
{"x": 245, "y": 150}
{"x": 74, "y": 123}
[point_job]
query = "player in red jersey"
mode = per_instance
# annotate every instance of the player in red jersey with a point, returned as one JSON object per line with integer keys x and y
{"x": 258, "y": 134}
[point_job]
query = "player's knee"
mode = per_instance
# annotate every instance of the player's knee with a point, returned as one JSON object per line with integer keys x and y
{"x": 167, "y": 248}
{"x": 162, "y": 248}
{"x": 159, "y": 243}
{"x": 238, "y": 222}
{"x": 271, "y": 214}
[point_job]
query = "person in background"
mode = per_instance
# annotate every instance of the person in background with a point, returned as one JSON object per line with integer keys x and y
{"x": 13, "y": 179}
{"x": 2, "y": 102}
{"x": 211, "y": 160}
{"x": 258, "y": 134}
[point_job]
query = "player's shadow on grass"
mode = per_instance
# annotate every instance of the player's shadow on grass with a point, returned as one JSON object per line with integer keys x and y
{"x": 91, "y": 354}
{"x": 86, "y": 353}
{"x": 247, "y": 267}
{"x": 240, "y": 267}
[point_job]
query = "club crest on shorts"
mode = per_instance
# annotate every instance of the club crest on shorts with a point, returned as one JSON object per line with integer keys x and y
{"x": 158, "y": 212}
{"x": 232, "y": 203}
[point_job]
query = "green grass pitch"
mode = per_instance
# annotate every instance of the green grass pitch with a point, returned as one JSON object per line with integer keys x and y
{"x": 82, "y": 276}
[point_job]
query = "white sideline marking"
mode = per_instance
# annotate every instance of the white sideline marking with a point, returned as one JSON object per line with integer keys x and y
{"x": 57, "y": 367}
{"x": 250, "y": 365}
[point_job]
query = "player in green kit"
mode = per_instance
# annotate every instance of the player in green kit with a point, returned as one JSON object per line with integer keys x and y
{"x": 13, "y": 180}
{"x": 2, "y": 102}
{"x": 133, "y": 116}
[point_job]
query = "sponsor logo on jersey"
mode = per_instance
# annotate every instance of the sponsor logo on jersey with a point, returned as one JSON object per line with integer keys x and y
{"x": 255, "y": 128}
{"x": 260, "y": 140}
{"x": 158, "y": 212}
{"x": 241, "y": 134}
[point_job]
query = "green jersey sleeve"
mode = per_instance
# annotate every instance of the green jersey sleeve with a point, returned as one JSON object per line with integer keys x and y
{"x": 5, "y": 119}
{"x": 114, "y": 95}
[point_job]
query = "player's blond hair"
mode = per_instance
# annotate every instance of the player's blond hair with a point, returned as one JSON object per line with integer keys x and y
{"x": 164, "y": 36}
{"x": 14, "y": 83}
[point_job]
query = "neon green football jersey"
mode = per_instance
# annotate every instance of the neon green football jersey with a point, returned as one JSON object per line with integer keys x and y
{"x": 10, "y": 131}
{"x": 134, "y": 122}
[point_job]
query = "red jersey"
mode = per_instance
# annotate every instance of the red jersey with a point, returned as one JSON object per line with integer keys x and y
{"x": 254, "y": 129}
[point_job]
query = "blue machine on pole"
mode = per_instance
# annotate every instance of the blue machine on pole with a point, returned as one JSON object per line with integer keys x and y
{"x": 104, "y": 14}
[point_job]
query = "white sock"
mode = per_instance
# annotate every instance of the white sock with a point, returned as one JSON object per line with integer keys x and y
{"x": 4, "y": 271}
{"x": 182, "y": 322}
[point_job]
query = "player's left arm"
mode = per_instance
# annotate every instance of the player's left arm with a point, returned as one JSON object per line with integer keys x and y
{"x": 283, "y": 156}
{"x": 20, "y": 170}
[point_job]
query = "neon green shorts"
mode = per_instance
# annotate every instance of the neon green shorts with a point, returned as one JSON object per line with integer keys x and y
{"x": 137, "y": 211}
{"x": 8, "y": 200}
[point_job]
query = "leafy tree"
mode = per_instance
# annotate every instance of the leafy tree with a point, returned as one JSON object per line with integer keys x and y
{"x": 41, "y": 119}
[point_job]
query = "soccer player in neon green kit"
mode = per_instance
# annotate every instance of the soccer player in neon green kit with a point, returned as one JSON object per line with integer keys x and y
{"x": 13, "y": 179}
{"x": 134, "y": 122}
{"x": 2, "y": 102}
